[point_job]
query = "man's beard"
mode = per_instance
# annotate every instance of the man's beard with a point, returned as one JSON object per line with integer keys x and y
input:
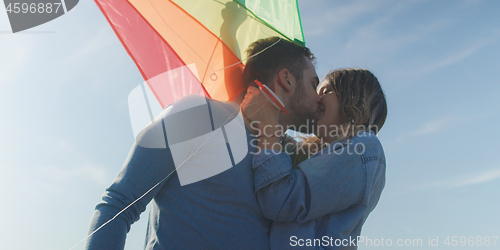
{"x": 302, "y": 118}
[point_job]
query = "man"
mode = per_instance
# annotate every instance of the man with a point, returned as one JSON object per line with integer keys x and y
{"x": 195, "y": 163}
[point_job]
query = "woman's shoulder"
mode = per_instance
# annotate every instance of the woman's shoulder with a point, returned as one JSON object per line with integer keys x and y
{"x": 362, "y": 138}
{"x": 365, "y": 145}
{"x": 366, "y": 137}
{"x": 369, "y": 144}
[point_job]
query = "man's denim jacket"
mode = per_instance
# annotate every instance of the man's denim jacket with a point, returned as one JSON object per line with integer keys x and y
{"x": 323, "y": 203}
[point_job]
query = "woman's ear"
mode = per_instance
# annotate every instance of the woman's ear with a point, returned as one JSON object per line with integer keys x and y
{"x": 285, "y": 79}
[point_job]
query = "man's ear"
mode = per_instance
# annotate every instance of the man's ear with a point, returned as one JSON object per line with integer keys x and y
{"x": 285, "y": 79}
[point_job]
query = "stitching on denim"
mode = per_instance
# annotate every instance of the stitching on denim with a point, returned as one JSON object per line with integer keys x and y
{"x": 272, "y": 179}
{"x": 268, "y": 160}
{"x": 321, "y": 227}
{"x": 366, "y": 159}
{"x": 363, "y": 159}
{"x": 267, "y": 181}
{"x": 363, "y": 193}
{"x": 273, "y": 159}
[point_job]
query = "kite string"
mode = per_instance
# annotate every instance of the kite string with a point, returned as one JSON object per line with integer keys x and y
{"x": 248, "y": 116}
{"x": 123, "y": 210}
{"x": 181, "y": 165}
{"x": 246, "y": 59}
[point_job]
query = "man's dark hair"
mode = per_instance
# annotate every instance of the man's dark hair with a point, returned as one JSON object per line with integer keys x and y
{"x": 265, "y": 60}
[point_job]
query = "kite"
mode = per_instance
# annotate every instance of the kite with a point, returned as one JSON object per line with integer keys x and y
{"x": 184, "y": 47}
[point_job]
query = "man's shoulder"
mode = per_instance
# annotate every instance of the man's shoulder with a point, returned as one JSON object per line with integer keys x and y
{"x": 197, "y": 114}
{"x": 192, "y": 104}
{"x": 175, "y": 117}
{"x": 193, "y": 116}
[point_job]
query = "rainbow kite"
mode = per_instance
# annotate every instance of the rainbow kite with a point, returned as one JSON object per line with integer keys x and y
{"x": 184, "y": 47}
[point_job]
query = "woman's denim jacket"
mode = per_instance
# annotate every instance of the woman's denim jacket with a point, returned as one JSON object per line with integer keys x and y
{"x": 323, "y": 203}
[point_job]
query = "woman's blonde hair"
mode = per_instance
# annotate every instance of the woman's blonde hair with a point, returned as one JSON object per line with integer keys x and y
{"x": 362, "y": 105}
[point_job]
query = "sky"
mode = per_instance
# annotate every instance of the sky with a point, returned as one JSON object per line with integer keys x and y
{"x": 65, "y": 129}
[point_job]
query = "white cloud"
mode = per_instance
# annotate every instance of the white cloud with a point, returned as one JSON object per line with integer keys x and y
{"x": 4, "y": 20}
{"x": 432, "y": 127}
{"x": 100, "y": 41}
{"x": 374, "y": 41}
{"x": 51, "y": 158}
{"x": 476, "y": 179}
{"x": 454, "y": 57}
{"x": 76, "y": 165}
{"x": 465, "y": 180}
{"x": 98, "y": 175}
{"x": 15, "y": 53}
{"x": 428, "y": 128}
{"x": 329, "y": 19}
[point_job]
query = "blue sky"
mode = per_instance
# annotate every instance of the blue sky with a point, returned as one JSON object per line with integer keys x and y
{"x": 65, "y": 129}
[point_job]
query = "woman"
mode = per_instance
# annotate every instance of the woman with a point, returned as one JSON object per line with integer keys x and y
{"x": 322, "y": 202}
